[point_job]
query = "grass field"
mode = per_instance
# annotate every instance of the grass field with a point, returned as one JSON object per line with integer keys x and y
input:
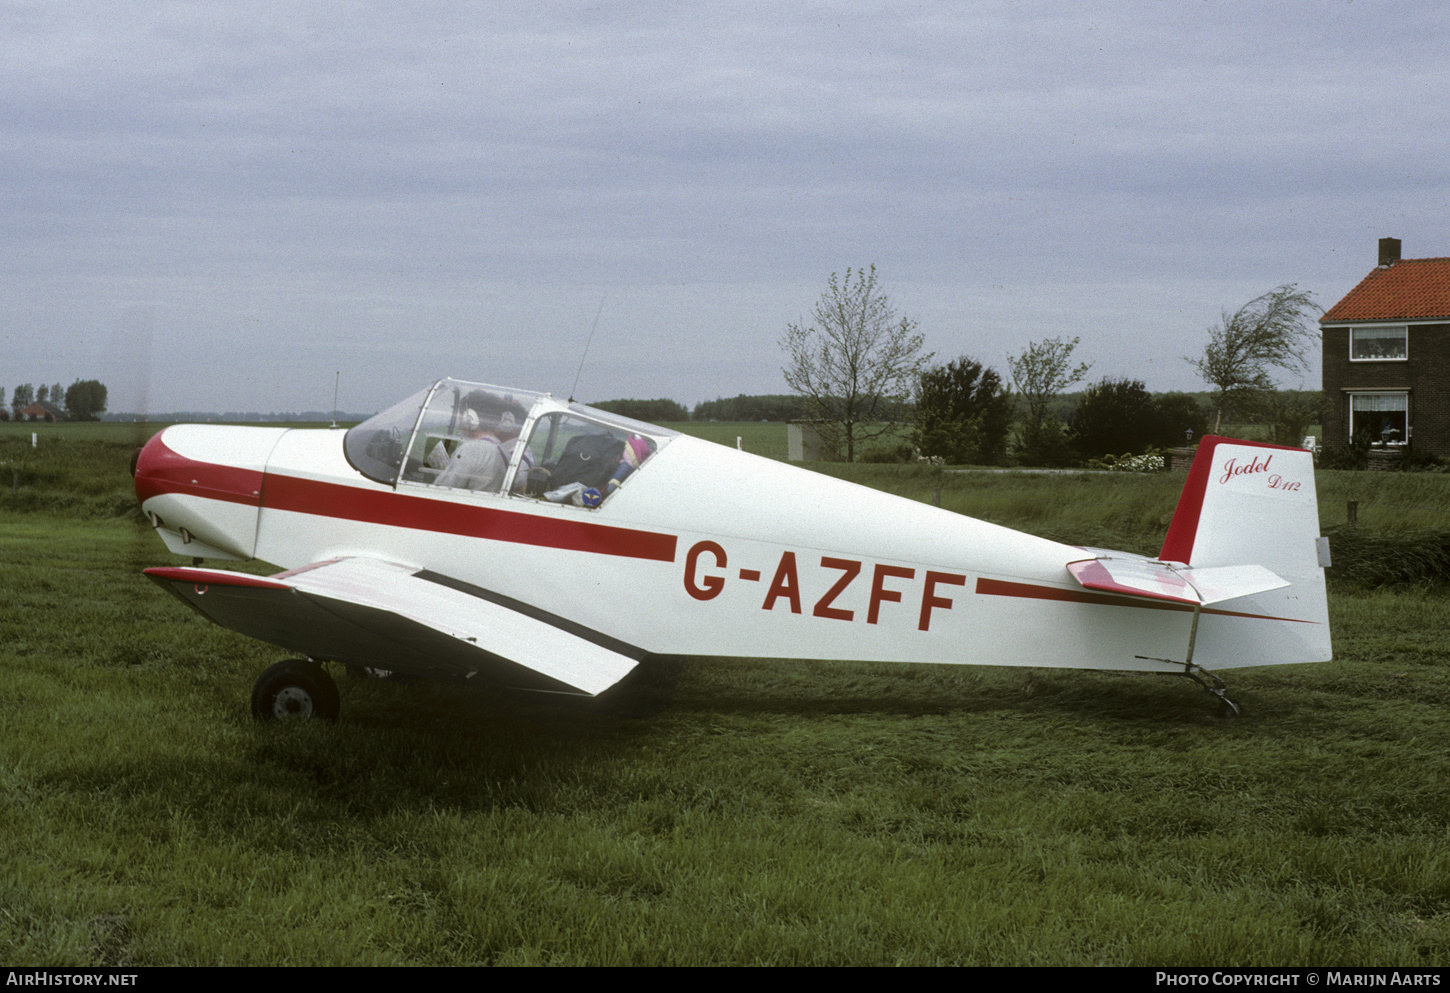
{"x": 807, "y": 813}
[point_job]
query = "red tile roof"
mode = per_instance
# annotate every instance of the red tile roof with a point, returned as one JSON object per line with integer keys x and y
{"x": 1410, "y": 289}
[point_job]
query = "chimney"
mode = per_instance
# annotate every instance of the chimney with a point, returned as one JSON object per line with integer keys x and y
{"x": 1389, "y": 251}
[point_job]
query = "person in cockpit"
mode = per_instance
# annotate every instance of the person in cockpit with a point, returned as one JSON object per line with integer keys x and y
{"x": 490, "y": 424}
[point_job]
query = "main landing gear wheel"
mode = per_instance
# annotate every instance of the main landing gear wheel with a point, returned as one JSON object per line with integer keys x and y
{"x": 297, "y": 690}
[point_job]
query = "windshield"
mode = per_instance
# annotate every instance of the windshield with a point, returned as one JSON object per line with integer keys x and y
{"x": 419, "y": 439}
{"x": 375, "y": 447}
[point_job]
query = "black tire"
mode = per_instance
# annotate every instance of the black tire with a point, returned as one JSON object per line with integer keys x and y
{"x": 295, "y": 689}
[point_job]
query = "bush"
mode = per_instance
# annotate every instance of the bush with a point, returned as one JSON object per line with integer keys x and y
{"x": 1114, "y": 415}
{"x": 892, "y": 454}
{"x": 963, "y": 413}
{"x": 1348, "y": 458}
{"x": 1367, "y": 558}
{"x": 1047, "y": 443}
{"x": 1149, "y": 461}
{"x": 1120, "y": 415}
{"x": 1289, "y": 413}
{"x": 1356, "y": 457}
{"x": 1177, "y": 413}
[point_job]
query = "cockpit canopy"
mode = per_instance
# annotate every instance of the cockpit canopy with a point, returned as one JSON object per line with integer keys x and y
{"x": 487, "y": 439}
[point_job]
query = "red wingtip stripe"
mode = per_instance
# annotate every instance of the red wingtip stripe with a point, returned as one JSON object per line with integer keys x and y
{"x": 212, "y": 577}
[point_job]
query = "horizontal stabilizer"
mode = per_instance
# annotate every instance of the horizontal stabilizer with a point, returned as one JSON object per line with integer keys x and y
{"x": 1175, "y": 584}
{"x": 379, "y": 614}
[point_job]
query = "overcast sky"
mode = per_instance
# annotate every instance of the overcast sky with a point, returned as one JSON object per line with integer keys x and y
{"x": 220, "y": 205}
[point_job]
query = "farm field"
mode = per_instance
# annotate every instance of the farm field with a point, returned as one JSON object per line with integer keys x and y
{"x": 802, "y": 813}
{"x": 758, "y": 437}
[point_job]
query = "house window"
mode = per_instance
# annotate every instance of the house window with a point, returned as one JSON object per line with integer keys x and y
{"x": 1379, "y": 344}
{"x": 1383, "y": 417}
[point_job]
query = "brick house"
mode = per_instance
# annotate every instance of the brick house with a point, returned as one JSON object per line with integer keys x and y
{"x": 1387, "y": 356}
{"x": 41, "y": 410}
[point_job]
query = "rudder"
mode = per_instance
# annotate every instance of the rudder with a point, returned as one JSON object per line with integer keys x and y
{"x": 1253, "y": 503}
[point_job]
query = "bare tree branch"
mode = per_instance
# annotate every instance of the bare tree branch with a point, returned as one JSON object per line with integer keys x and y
{"x": 1040, "y": 373}
{"x": 857, "y": 363}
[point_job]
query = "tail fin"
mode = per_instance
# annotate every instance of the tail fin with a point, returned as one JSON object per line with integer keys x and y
{"x": 1248, "y": 503}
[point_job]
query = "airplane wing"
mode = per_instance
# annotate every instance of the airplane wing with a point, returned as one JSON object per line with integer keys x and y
{"x": 1177, "y": 584}
{"x": 382, "y": 615}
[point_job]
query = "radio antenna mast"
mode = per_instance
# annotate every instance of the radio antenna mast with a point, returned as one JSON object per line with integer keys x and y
{"x": 587, "y": 343}
{"x": 335, "y": 383}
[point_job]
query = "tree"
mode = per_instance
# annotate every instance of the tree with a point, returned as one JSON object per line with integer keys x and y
{"x": 1040, "y": 373}
{"x": 1276, "y": 329}
{"x": 23, "y": 397}
{"x": 1120, "y": 417}
{"x": 1114, "y": 417}
{"x": 1177, "y": 415}
{"x": 653, "y": 411}
{"x": 857, "y": 365}
{"x": 85, "y": 400}
{"x": 1289, "y": 413}
{"x": 963, "y": 413}
{"x": 763, "y": 407}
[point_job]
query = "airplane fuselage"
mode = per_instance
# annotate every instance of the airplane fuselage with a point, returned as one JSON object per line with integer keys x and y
{"x": 705, "y": 551}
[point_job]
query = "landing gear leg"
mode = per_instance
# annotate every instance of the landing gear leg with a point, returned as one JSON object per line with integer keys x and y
{"x": 1226, "y": 707}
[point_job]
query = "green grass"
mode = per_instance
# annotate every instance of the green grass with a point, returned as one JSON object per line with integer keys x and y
{"x": 766, "y": 438}
{"x": 806, "y": 813}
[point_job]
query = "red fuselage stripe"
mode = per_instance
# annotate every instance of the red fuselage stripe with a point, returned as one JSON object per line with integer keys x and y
{"x": 1001, "y": 587}
{"x": 307, "y": 496}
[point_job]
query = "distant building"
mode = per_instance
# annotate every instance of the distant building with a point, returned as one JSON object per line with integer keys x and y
{"x": 810, "y": 441}
{"x": 41, "y": 410}
{"x": 1387, "y": 356}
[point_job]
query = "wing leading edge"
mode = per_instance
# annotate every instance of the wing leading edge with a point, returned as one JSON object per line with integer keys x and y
{"x": 380, "y": 614}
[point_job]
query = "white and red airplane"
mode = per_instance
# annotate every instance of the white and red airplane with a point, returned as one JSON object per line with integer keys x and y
{"x": 509, "y": 538}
